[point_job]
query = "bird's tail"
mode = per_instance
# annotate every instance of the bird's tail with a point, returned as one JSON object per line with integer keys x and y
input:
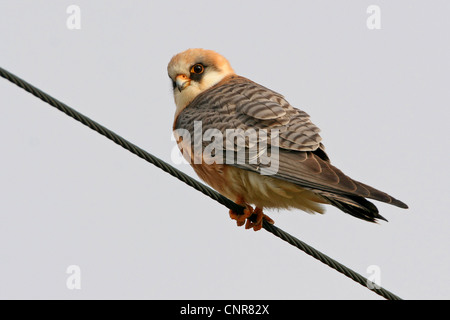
{"x": 355, "y": 206}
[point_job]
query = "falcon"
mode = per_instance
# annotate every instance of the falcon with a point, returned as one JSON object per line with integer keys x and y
{"x": 211, "y": 98}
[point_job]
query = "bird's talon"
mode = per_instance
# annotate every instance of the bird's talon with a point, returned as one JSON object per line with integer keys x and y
{"x": 268, "y": 219}
{"x": 241, "y": 218}
{"x": 252, "y": 218}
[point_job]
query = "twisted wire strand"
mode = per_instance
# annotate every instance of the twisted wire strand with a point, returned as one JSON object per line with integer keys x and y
{"x": 194, "y": 183}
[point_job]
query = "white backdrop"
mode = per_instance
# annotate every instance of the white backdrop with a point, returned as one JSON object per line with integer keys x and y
{"x": 69, "y": 197}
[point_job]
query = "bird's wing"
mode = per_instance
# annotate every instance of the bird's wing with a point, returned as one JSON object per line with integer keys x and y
{"x": 238, "y": 103}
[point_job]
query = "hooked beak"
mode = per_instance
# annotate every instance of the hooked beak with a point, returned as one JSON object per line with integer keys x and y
{"x": 182, "y": 82}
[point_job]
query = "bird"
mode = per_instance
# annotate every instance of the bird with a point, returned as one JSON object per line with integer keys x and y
{"x": 212, "y": 100}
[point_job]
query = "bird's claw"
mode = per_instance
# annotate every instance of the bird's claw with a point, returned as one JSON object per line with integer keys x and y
{"x": 252, "y": 218}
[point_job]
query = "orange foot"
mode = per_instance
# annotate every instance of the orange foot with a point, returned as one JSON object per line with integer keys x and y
{"x": 255, "y": 221}
{"x": 251, "y": 218}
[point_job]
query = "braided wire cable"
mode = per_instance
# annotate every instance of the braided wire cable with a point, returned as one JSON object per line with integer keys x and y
{"x": 194, "y": 183}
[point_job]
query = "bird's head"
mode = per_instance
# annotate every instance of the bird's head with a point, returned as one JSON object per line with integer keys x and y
{"x": 194, "y": 71}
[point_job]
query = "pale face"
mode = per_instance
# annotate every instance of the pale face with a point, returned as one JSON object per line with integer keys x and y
{"x": 194, "y": 71}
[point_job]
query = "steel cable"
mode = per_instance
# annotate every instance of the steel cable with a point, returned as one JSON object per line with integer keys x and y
{"x": 195, "y": 184}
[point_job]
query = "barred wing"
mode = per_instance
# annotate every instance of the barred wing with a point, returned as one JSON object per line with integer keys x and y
{"x": 238, "y": 103}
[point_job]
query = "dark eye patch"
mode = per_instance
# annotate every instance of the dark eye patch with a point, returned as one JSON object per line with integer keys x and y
{"x": 197, "y": 71}
{"x": 196, "y": 76}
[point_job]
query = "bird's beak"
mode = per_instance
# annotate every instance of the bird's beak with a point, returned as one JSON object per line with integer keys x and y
{"x": 182, "y": 82}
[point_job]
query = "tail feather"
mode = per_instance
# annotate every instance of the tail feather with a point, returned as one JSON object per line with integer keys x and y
{"x": 355, "y": 206}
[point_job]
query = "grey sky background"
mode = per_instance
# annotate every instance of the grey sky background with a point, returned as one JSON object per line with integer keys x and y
{"x": 68, "y": 196}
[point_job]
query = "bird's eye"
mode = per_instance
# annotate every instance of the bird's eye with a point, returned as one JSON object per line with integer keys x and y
{"x": 197, "y": 68}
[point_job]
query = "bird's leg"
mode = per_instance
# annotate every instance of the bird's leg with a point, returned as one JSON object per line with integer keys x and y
{"x": 240, "y": 218}
{"x": 252, "y": 218}
{"x": 255, "y": 221}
